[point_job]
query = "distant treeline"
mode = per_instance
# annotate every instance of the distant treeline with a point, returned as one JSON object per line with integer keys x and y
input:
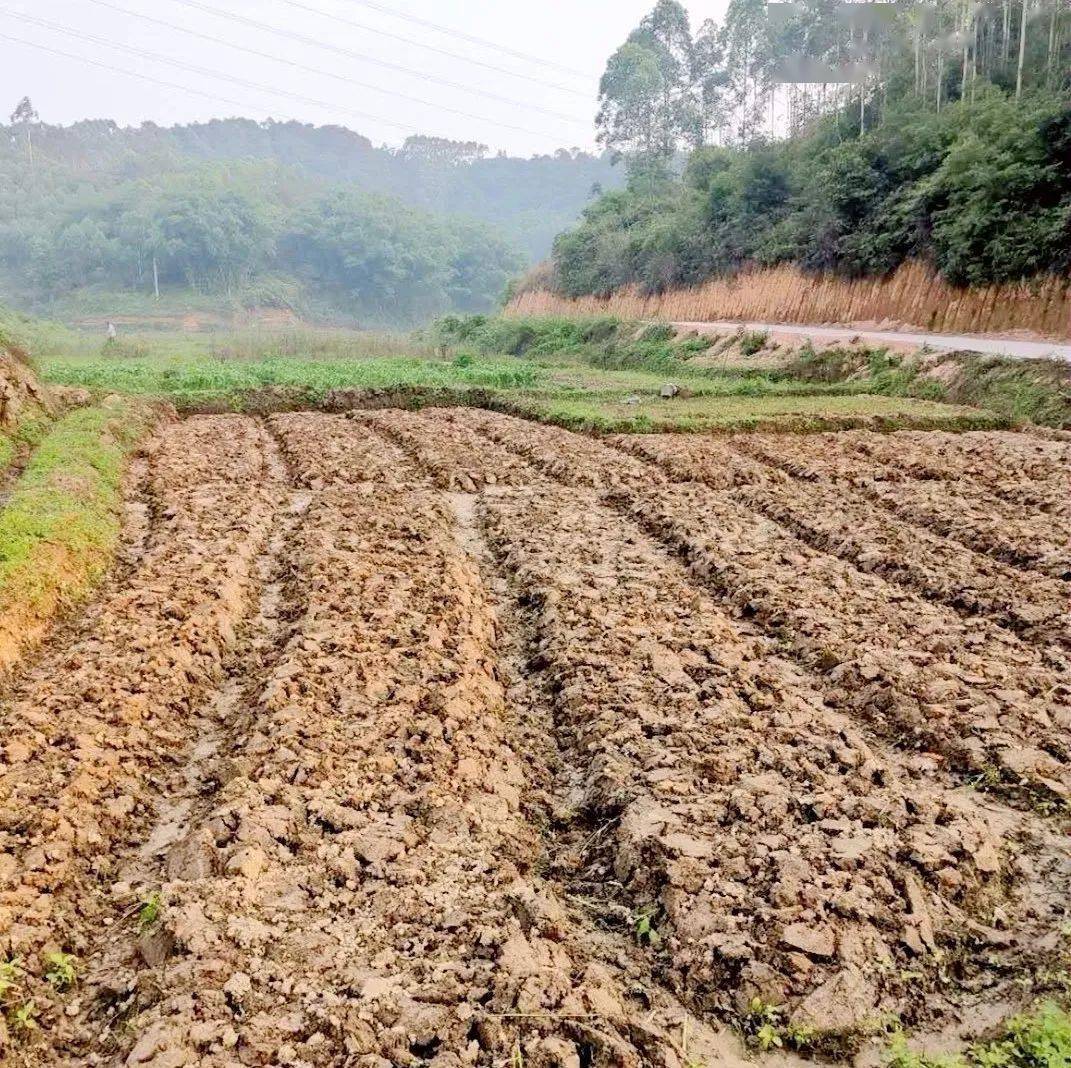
{"x": 283, "y": 210}
{"x": 954, "y": 149}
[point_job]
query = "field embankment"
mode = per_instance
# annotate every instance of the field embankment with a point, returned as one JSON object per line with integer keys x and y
{"x": 758, "y": 379}
{"x": 60, "y": 526}
{"x": 912, "y": 296}
{"x": 62, "y": 467}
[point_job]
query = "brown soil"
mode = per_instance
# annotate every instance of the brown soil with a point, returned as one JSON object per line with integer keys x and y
{"x": 443, "y": 738}
{"x": 22, "y": 394}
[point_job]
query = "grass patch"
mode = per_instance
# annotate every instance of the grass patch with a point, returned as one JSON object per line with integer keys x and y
{"x": 1041, "y": 1039}
{"x": 735, "y": 412}
{"x": 595, "y": 374}
{"x": 61, "y": 523}
{"x": 1020, "y": 391}
{"x": 191, "y": 383}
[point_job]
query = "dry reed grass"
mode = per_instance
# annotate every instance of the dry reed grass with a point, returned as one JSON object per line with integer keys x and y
{"x": 914, "y": 296}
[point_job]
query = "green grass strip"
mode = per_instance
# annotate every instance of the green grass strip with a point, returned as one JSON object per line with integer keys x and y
{"x": 1041, "y": 1039}
{"x": 61, "y": 524}
{"x": 202, "y": 381}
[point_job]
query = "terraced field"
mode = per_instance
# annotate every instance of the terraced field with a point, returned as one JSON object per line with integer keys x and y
{"x": 445, "y": 738}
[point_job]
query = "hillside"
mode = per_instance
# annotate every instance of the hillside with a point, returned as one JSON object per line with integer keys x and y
{"x": 282, "y": 214}
{"x": 954, "y": 151}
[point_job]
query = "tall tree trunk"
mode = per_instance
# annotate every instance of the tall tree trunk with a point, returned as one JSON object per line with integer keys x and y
{"x": 1050, "y": 66}
{"x": 1022, "y": 49}
{"x": 964, "y": 17}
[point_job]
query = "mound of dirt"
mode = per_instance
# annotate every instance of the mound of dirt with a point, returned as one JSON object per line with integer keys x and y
{"x": 21, "y": 390}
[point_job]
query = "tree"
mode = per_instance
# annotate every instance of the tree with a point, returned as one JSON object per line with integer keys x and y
{"x": 630, "y": 120}
{"x": 25, "y": 116}
{"x": 24, "y": 113}
{"x": 745, "y": 46}
{"x": 441, "y": 150}
{"x": 661, "y": 90}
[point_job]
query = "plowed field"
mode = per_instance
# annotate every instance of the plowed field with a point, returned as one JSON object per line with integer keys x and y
{"x": 444, "y": 738}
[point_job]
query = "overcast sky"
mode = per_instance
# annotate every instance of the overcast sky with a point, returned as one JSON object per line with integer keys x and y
{"x": 339, "y": 67}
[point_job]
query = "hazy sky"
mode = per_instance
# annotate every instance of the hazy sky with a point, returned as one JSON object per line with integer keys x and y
{"x": 523, "y": 107}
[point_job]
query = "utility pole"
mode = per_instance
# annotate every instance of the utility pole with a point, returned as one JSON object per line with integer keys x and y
{"x": 155, "y": 277}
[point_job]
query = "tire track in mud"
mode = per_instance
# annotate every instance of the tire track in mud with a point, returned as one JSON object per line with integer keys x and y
{"x": 965, "y": 513}
{"x": 95, "y": 730}
{"x": 761, "y": 835}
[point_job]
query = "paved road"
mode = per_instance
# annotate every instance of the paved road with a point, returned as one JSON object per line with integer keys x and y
{"x": 990, "y": 345}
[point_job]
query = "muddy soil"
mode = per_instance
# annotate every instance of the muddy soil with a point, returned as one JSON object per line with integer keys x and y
{"x": 1022, "y": 520}
{"x": 445, "y": 738}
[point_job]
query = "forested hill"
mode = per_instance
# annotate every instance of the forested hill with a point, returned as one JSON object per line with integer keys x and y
{"x": 282, "y": 212}
{"x": 530, "y": 200}
{"x": 941, "y": 133}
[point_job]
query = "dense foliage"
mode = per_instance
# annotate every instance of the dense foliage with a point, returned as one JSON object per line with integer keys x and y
{"x": 282, "y": 211}
{"x": 960, "y": 155}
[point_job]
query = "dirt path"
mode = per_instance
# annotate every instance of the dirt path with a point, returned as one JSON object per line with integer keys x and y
{"x": 442, "y": 738}
{"x": 1025, "y": 350}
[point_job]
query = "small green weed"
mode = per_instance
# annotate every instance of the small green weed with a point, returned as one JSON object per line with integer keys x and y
{"x": 23, "y": 1020}
{"x": 1038, "y": 1040}
{"x": 753, "y": 341}
{"x": 61, "y": 971}
{"x": 766, "y": 1027}
{"x": 10, "y": 974}
{"x": 644, "y": 929}
{"x": 149, "y": 910}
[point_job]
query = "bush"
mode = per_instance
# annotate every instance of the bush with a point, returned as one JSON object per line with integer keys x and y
{"x": 982, "y": 189}
{"x": 753, "y": 341}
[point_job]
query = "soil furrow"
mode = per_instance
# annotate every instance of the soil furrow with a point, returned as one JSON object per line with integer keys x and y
{"x": 958, "y": 510}
{"x": 93, "y": 731}
{"x": 453, "y": 455}
{"x": 370, "y": 893}
{"x": 704, "y": 459}
{"x": 989, "y": 457}
{"x": 118, "y": 977}
{"x": 1030, "y": 541}
{"x": 326, "y": 450}
{"x": 1015, "y": 467}
{"x": 938, "y": 568}
{"x": 919, "y": 675}
{"x": 565, "y": 769}
{"x": 569, "y": 458}
{"x": 757, "y": 833}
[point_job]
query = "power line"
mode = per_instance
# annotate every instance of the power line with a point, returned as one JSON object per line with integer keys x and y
{"x": 155, "y": 56}
{"x": 348, "y": 52}
{"x": 121, "y": 70}
{"x": 432, "y": 48}
{"x": 213, "y": 39}
{"x": 461, "y": 35}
